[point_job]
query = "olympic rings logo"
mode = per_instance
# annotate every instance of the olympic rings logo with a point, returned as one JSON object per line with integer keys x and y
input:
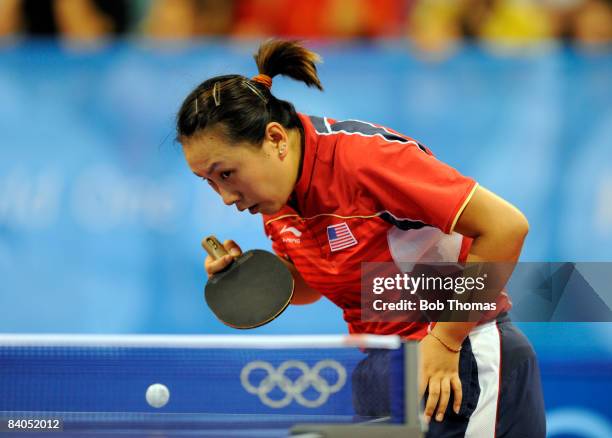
{"x": 293, "y": 389}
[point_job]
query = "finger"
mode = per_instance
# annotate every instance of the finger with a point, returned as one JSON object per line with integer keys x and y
{"x": 423, "y": 376}
{"x": 213, "y": 266}
{"x": 423, "y": 379}
{"x": 232, "y": 247}
{"x": 444, "y": 396}
{"x": 457, "y": 393}
{"x": 432, "y": 399}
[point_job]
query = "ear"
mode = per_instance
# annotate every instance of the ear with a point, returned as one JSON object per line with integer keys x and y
{"x": 276, "y": 135}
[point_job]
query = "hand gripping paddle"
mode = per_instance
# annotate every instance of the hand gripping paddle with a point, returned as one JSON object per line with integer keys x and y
{"x": 253, "y": 290}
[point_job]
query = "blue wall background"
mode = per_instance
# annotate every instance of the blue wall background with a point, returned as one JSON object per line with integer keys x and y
{"x": 101, "y": 220}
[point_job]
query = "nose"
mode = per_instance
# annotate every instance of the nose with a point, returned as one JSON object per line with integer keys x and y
{"x": 229, "y": 197}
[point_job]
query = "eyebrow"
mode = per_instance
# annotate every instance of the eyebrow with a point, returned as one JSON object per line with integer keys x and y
{"x": 210, "y": 170}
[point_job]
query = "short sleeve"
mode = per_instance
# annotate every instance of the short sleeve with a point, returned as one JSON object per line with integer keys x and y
{"x": 404, "y": 179}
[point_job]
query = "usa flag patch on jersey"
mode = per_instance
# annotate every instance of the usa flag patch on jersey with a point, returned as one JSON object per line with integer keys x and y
{"x": 340, "y": 237}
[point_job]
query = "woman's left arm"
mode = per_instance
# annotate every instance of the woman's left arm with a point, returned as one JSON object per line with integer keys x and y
{"x": 498, "y": 229}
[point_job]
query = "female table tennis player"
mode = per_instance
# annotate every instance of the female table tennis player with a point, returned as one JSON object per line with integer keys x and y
{"x": 336, "y": 193}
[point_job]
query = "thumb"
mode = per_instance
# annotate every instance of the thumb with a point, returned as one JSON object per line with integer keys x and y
{"x": 232, "y": 248}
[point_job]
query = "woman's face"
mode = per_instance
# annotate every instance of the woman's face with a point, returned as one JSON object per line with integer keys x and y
{"x": 250, "y": 177}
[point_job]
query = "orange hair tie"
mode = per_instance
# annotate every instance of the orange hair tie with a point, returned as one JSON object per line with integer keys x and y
{"x": 263, "y": 79}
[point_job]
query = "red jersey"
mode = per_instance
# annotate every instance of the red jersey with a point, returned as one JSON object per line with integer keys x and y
{"x": 368, "y": 194}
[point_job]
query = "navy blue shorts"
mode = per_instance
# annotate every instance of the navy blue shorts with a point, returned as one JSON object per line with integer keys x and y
{"x": 500, "y": 377}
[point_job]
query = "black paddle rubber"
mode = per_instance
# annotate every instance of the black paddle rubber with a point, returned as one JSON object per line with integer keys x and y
{"x": 252, "y": 291}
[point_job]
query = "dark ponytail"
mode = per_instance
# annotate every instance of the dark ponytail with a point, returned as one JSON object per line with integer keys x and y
{"x": 243, "y": 106}
{"x": 288, "y": 58}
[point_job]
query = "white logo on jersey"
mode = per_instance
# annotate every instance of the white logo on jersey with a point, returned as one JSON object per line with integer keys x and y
{"x": 289, "y": 239}
{"x": 293, "y": 230}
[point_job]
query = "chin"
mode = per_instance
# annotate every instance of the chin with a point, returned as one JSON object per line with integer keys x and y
{"x": 270, "y": 209}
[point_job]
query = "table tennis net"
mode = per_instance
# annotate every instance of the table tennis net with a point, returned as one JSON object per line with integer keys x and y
{"x": 240, "y": 377}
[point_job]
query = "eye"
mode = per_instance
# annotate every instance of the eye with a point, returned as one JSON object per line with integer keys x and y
{"x": 226, "y": 174}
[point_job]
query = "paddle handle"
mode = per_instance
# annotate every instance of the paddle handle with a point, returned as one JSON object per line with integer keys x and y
{"x": 214, "y": 248}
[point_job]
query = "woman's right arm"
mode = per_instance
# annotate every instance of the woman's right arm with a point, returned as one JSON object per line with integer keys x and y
{"x": 302, "y": 293}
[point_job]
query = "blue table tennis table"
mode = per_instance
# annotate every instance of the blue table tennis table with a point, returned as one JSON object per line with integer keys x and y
{"x": 219, "y": 386}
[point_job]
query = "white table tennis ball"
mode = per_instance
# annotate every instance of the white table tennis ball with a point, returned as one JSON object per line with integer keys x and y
{"x": 157, "y": 395}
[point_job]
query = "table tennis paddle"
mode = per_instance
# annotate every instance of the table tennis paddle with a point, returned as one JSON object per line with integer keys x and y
{"x": 253, "y": 290}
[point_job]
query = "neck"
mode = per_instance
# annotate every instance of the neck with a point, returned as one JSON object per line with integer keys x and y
{"x": 296, "y": 155}
{"x": 295, "y": 149}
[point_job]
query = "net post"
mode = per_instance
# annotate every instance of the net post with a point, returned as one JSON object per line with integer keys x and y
{"x": 412, "y": 409}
